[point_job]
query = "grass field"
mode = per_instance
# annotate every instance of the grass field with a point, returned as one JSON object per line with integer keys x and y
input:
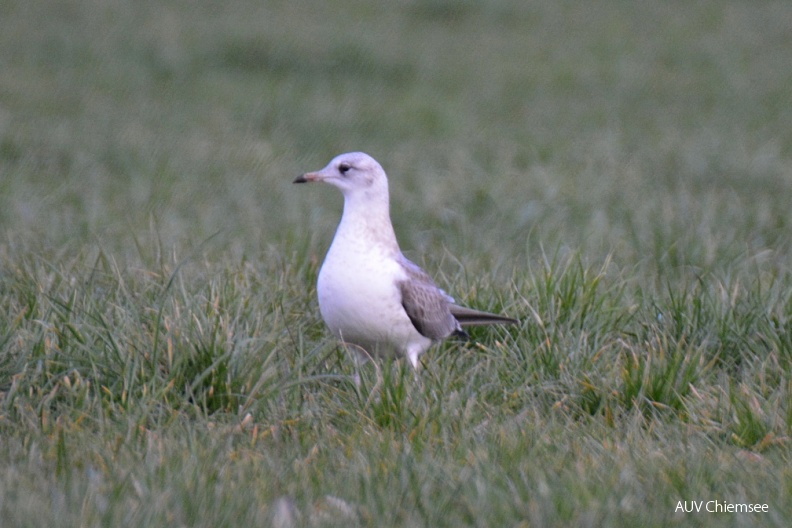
{"x": 616, "y": 174}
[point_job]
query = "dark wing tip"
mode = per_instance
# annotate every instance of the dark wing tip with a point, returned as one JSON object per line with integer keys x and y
{"x": 461, "y": 334}
{"x": 470, "y": 317}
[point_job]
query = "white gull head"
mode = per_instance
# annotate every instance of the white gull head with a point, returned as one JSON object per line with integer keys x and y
{"x": 355, "y": 174}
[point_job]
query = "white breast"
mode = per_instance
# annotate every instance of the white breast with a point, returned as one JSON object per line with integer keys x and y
{"x": 360, "y": 300}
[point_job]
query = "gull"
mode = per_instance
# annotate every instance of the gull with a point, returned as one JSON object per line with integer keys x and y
{"x": 370, "y": 295}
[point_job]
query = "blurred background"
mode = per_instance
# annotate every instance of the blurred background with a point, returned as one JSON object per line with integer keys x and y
{"x": 656, "y": 132}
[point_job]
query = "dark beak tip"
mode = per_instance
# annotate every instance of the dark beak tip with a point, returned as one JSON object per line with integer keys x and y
{"x": 300, "y": 179}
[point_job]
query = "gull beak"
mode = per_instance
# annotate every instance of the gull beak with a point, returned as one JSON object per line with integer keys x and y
{"x": 309, "y": 177}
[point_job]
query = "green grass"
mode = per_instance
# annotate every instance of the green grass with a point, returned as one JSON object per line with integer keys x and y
{"x": 617, "y": 175}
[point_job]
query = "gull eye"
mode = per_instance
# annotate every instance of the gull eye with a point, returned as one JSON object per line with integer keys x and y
{"x": 344, "y": 168}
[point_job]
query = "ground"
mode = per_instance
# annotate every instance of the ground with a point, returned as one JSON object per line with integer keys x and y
{"x": 614, "y": 174}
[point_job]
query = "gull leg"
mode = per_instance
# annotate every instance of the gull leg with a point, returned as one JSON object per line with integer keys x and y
{"x": 414, "y": 355}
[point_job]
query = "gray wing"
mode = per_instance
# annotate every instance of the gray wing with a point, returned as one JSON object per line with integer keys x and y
{"x": 427, "y": 306}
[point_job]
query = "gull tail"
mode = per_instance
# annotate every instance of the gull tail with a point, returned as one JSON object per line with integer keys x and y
{"x": 470, "y": 317}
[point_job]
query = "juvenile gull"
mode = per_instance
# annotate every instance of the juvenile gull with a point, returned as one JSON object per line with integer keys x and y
{"x": 370, "y": 295}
